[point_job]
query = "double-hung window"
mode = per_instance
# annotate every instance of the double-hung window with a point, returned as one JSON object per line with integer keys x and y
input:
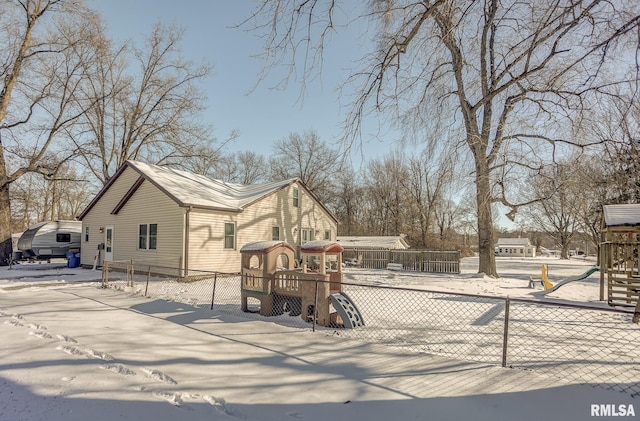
{"x": 147, "y": 236}
{"x": 275, "y": 233}
{"x": 296, "y": 198}
{"x": 229, "y": 235}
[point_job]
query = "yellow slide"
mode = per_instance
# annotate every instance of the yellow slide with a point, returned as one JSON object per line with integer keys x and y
{"x": 544, "y": 279}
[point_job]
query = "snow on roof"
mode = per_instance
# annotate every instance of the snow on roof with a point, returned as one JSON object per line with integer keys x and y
{"x": 387, "y": 242}
{"x": 621, "y": 215}
{"x": 263, "y": 247}
{"x": 513, "y": 242}
{"x": 321, "y": 246}
{"x": 199, "y": 191}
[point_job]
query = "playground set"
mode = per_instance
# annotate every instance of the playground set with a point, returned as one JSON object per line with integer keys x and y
{"x": 619, "y": 255}
{"x": 311, "y": 289}
{"x": 549, "y": 287}
{"x": 619, "y": 259}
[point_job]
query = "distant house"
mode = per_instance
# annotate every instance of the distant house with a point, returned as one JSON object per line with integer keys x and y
{"x": 515, "y": 247}
{"x": 373, "y": 242}
{"x": 159, "y": 215}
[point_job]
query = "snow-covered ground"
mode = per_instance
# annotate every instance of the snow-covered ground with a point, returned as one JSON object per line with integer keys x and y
{"x": 70, "y": 350}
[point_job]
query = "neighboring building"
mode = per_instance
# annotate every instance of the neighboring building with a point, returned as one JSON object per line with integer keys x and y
{"x": 373, "y": 242}
{"x": 515, "y": 247}
{"x": 173, "y": 218}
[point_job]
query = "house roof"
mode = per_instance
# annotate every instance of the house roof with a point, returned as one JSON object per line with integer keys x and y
{"x": 188, "y": 189}
{"x": 195, "y": 190}
{"x": 387, "y": 242}
{"x": 513, "y": 242}
{"x": 621, "y": 215}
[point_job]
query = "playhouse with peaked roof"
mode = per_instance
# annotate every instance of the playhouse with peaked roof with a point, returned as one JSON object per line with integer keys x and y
{"x": 619, "y": 262}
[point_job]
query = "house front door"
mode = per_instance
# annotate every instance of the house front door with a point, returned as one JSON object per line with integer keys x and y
{"x": 108, "y": 243}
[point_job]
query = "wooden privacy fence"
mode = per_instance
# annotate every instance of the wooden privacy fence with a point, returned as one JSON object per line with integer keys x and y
{"x": 413, "y": 260}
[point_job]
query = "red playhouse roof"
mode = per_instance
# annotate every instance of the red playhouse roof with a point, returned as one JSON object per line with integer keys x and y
{"x": 321, "y": 246}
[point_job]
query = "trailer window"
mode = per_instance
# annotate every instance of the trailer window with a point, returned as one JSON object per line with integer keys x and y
{"x": 63, "y": 238}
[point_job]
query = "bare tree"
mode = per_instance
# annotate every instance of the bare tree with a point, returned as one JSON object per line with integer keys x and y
{"x": 245, "y": 167}
{"x": 511, "y": 73}
{"x": 143, "y": 104}
{"x": 386, "y": 194}
{"x": 39, "y": 78}
{"x": 427, "y": 176}
{"x": 36, "y": 198}
{"x": 348, "y": 202}
{"x": 307, "y": 157}
{"x": 557, "y": 213}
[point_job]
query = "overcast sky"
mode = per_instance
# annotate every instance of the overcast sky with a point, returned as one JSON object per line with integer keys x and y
{"x": 261, "y": 115}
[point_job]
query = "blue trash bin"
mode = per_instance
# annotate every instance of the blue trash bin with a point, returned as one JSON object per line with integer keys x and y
{"x": 73, "y": 260}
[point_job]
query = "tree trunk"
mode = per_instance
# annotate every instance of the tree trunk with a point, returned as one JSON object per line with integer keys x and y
{"x": 5, "y": 214}
{"x": 486, "y": 243}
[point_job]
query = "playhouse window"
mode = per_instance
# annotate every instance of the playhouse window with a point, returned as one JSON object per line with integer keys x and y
{"x": 327, "y": 235}
{"x": 275, "y": 233}
{"x": 147, "y": 236}
{"x": 296, "y": 198}
{"x": 229, "y": 235}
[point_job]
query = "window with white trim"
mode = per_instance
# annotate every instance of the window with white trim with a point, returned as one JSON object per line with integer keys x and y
{"x": 229, "y": 235}
{"x": 306, "y": 235}
{"x": 147, "y": 236}
{"x": 296, "y": 198}
{"x": 327, "y": 235}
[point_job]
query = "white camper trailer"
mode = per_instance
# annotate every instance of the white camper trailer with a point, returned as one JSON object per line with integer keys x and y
{"x": 50, "y": 239}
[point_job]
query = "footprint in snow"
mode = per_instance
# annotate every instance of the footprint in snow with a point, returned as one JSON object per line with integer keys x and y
{"x": 13, "y": 323}
{"x": 171, "y": 397}
{"x": 41, "y": 334}
{"x": 66, "y": 339}
{"x": 118, "y": 368}
{"x": 99, "y": 355}
{"x": 71, "y": 350}
{"x": 159, "y": 375}
{"x": 37, "y": 326}
{"x": 220, "y": 405}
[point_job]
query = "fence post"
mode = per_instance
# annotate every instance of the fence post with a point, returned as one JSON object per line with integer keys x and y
{"x": 130, "y": 271}
{"x": 213, "y": 293}
{"x": 105, "y": 274}
{"x": 505, "y": 335}
{"x": 315, "y": 307}
{"x": 146, "y": 288}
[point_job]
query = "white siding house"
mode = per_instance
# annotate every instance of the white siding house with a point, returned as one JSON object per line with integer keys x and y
{"x": 515, "y": 247}
{"x": 159, "y": 215}
{"x": 391, "y": 242}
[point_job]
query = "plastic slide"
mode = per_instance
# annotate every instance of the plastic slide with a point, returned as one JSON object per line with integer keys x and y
{"x": 585, "y": 275}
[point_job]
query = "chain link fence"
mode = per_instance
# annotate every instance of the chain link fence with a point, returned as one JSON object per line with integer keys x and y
{"x": 576, "y": 343}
